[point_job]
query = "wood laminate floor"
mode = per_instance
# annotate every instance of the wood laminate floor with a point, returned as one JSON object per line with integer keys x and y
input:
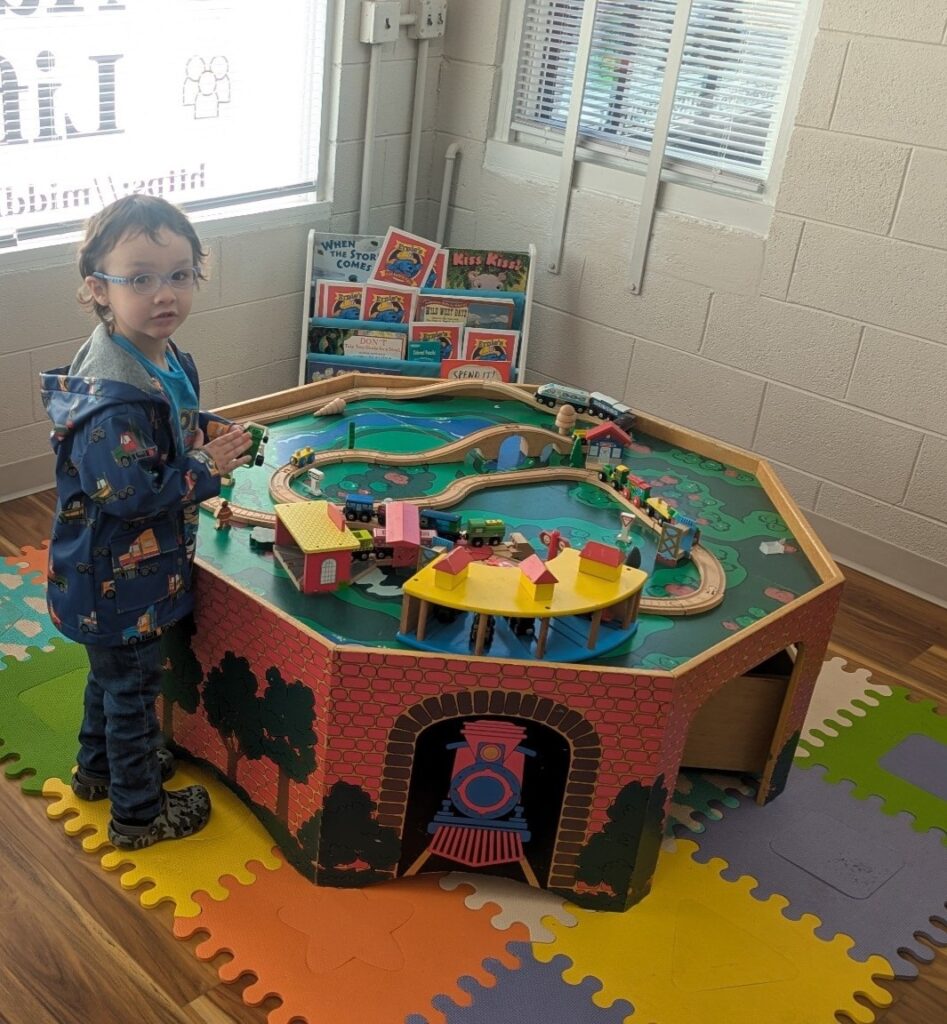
{"x": 77, "y": 949}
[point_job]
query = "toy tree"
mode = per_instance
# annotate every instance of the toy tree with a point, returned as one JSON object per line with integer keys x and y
{"x": 181, "y": 673}
{"x": 233, "y": 709}
{"x": 565, "y": 420}
{"x": 289, "y": 740}
{"x": 577, "y": 455}
{"x": 351, "y": 838}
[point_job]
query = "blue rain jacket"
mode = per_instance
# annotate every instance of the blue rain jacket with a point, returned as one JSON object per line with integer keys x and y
{"x": 125, "y": 527}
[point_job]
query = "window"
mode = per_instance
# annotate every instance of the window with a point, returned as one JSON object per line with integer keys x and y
{"x": 731, "y": 89}
{"x": 209, "y": 103}
{"x": 328, "y": 572}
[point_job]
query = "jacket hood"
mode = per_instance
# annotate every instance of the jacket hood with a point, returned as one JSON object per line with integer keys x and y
{"x": 101, "y": 374}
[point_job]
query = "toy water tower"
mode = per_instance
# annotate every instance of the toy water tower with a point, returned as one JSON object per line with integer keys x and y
{"x": 677, "y": 538}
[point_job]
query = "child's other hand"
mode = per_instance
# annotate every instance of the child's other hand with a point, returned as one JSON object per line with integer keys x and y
{"x": 228, "y": 449}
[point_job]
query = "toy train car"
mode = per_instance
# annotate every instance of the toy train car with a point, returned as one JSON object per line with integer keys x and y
{"x": 658, "y": 508}
{"x": 476, "y": 531}
{"x": 363, "y": 508}
{"x": 637, "y": 490}
{"x": 594, "y": 402}
{"x": 444, "y": 524}
{"x": 484, "y": 531}
{"x": 368, "y": 549}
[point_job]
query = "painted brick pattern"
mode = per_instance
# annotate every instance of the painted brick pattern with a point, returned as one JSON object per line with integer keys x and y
{"x": 372, "y": 706}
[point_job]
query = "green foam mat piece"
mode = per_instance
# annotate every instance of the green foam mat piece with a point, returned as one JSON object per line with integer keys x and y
{"x": 856, "y": 754}
{"x": 40, "y": 713}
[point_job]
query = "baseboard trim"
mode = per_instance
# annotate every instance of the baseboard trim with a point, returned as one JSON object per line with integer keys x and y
{"x": 28, "y": 477}
{"x": 884, "y": 561}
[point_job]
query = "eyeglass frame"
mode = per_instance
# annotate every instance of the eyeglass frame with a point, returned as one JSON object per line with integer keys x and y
{"x": 163, "y": 279}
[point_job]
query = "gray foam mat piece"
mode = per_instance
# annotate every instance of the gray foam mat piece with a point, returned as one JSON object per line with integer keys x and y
{"x": 919, "y": 759}
{"x": 533, "y": 993}
{"x": 861, "y": 872}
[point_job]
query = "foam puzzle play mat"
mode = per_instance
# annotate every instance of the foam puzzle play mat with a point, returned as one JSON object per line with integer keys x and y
{"x": 505, "y": 721}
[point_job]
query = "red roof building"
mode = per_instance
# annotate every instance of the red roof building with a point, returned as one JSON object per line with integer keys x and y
{"x": 601, "y": 560}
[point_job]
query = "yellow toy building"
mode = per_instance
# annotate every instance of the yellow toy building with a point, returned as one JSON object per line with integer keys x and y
{"x": 600, "y": 560}
{"x": 314, "y": 545}
{"x": 536, "y": 580}
{"x": 451, "y": 570}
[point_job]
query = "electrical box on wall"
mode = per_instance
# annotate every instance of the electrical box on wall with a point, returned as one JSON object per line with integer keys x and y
{"x": 380, "y": 21}
{"x": 430, "y": 19}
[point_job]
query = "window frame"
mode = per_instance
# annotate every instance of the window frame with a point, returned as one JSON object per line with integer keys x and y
{"x": 686, "y": 189}
{"x": 285, "y": 209}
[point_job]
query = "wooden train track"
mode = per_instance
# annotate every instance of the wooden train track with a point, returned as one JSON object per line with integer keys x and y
{"x": 709, "y": 593}
{"x": 487, "y": 442}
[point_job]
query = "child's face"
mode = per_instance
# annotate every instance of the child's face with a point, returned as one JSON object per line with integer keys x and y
{"x": 146, "y": 320}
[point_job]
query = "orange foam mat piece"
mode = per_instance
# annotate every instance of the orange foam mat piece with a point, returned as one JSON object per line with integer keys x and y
{"x": 350, "y": 956}
{"x": 31, "y": 560}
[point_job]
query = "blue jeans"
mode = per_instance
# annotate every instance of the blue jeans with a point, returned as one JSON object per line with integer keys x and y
{"x": 120, "y": 734}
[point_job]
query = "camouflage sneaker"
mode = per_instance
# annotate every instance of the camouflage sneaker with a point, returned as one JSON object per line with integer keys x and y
{"x": 183, "y": 812}
{"x": 96, "y": 787}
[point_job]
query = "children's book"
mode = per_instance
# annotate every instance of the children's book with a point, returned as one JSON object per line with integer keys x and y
{"x": 424, "y": 351}
{"x": 340, "y": 300}
{"x": 374, "y": 346}
{"x": 448, "y": 336}
{"x": 405, "y": 259}
{"x": 487, "y": 269}
{"x": 484, "y": 343}
{"x": 338, "y": 257}
{"x": 479, "y": 308}
{"x": 493, "y": 313}
{"x": 328, "y": 336}
{"x": 469, "y": 369}
{"x": 320, "y": 366}
{"x": 344, "y": 257}
{"x": 437, "y": 278}
{"x": 388, "y": 303}
{"x": 441, "y": 309}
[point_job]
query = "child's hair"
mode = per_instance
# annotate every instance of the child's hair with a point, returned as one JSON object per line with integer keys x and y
{"x": 130, "y": 215}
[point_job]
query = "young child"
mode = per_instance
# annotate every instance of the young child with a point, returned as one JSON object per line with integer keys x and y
{"x": 132, "y": 464}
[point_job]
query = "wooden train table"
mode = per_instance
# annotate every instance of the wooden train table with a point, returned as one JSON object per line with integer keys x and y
{"x": 368, "y": 758}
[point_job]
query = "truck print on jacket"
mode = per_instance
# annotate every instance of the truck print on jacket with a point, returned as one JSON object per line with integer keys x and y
{"x": 126, "y": 522}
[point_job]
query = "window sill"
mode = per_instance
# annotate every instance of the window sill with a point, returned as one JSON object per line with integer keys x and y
{"x": 749, "y": 213}
{"x": 42, "y": 255}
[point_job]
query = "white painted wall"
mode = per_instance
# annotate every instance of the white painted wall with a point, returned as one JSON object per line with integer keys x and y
{"x": 824, "y": 345}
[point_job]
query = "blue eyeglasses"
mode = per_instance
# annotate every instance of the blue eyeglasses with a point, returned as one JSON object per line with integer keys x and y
{"x": 150, "y": 284}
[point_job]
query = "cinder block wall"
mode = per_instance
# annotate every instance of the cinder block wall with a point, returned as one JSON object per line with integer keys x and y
{"x": 821, "y": 344}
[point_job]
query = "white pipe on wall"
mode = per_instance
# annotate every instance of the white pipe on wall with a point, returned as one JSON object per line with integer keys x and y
{"x": 449, "y": 157}
{"x": 571, "y": 135}
{"x": 417, "y": 117}
{"x": 368, "y": 152}
{"x": 659, "y": 139}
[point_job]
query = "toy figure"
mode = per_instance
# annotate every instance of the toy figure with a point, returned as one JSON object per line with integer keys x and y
{"x": 223, "y": 516}
{"x": 314, "y": 478}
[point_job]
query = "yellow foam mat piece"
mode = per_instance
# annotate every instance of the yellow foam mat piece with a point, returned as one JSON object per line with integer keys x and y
{"x": 232, "y": 839}
{"x": 699, "y": 948}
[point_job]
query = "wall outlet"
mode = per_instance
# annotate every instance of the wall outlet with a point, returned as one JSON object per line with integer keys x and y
{"x": 430, "y": 19}
{"x": 381, "y": 21}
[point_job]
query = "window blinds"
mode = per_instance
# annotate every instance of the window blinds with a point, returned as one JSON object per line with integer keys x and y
{"x": 731, "y": 88}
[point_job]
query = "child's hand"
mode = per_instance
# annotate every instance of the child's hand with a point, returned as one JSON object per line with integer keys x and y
{"x": 227, "y": 449}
